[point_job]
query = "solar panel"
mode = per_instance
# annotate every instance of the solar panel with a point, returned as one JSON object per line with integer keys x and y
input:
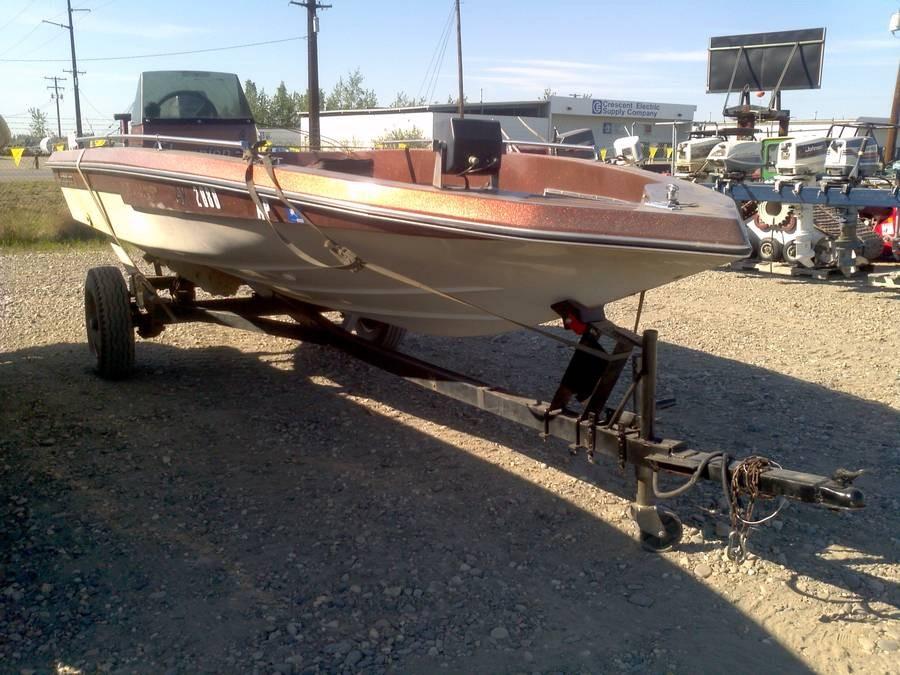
{"x": 790, "y": 59}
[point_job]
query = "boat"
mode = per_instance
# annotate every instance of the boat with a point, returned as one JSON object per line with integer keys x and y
{"x": 458, "y": 240}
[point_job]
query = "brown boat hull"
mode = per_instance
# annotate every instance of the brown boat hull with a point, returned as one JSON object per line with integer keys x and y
{"x": 508, "y": 254}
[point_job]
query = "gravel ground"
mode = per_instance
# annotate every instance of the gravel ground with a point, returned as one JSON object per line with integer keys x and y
{"x": 248, "y": 504}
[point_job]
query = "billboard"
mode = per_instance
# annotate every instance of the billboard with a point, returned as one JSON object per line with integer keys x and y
{"x": 790, "y": 59}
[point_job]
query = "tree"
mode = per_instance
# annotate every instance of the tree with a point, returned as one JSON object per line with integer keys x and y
{"x": 258, "y": 101}
{"x": 404, "y": 101}
{"x": 38, "y": 125}
{"x": 283, "y": 108}
{"x": 413, "y": 134}
{"x": 548, "y": 92}
{"x": 351, "y": 95}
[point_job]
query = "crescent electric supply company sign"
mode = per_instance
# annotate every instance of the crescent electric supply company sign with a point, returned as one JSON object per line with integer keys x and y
{"x": 608, "y": 108}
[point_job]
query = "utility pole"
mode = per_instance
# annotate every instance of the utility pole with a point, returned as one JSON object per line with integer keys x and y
{"x": 312, "y": 30}
{"x": 891, "y": 141}
{"x": 57, "y": 96}
{"x": 71, "y": 28}
{"x": 462, "y": 111}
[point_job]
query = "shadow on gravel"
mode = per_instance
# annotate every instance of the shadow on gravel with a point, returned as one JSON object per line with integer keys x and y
{"x": 724, "y": 404}
{"x": 226, "y": 511}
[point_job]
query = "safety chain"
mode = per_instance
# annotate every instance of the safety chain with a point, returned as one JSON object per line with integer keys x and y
{"x": 745, "y": 480}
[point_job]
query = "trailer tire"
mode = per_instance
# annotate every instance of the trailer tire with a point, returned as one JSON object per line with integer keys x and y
{"x": 377, "y": 332}
{"x": 108, "y": 322}
{"x": 770, "y": 250}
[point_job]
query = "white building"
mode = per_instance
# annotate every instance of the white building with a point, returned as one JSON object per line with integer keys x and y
{"x": 520, "y": 120}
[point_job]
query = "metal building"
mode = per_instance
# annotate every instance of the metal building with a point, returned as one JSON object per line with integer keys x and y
{"x": 520, "y": 120}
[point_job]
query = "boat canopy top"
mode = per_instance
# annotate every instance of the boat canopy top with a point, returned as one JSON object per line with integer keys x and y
{"x": 189, "y": 95}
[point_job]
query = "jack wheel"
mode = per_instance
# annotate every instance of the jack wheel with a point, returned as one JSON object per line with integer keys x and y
{"x": 769, "y": 250}
{"x": 674, "y": 531}
{"x": 107, "y": 317}
{"x": 382, "y": 334}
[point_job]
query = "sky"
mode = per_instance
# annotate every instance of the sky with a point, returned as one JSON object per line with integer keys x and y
{"x": 512, "y": 50}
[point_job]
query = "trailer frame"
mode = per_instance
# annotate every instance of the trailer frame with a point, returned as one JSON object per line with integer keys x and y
{"x": 595, "y": 428}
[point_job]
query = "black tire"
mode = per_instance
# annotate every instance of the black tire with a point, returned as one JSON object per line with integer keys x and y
{"x": 107, "y": 317}
{"x": 382, "y": 334}
{"x": 770, "y": 250}
{"x": 873, "y": 245}
{"x": 790, "y": 251}
{"x": 674, "y": 532}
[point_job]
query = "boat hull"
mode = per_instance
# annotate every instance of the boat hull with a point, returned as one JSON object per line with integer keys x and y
{"x": 504, "y": 259}
{"x": 514, "y": 278}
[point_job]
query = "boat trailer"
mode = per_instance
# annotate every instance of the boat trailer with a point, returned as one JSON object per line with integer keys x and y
{"x": 578, "y": 412}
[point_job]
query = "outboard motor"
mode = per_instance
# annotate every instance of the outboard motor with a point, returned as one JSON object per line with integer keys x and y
{"x": 629, "y": 149}
{"x": 851, "y": 158}
{"x": 802, "y": 157}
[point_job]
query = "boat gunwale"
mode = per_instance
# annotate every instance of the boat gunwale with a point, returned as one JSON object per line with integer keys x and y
{"x": 413, "y": 218}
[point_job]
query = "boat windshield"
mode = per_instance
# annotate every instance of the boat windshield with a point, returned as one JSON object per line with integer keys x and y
{"x": 190, "y": 95}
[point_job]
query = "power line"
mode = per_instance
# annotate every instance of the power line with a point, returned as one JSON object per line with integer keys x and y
{"x": 426, "y": 80}
{"x": 21, "y": 40}
{"x": 18, "y": 14}
{"x": 439, "y": 63}
{"x": 150, "y": 56}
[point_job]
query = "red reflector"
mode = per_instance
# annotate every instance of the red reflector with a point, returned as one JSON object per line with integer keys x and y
{"x": 575, "y": 325}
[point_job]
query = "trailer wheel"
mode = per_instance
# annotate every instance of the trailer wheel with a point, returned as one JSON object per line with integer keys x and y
{"x": 107, "y": 316}
{"x": 382, "y": 334}
{"x": 770, "y": 250}
{"x": 674, "y": 532}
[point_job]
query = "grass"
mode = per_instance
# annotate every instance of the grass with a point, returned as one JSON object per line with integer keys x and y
{"x": 34, "y": 214}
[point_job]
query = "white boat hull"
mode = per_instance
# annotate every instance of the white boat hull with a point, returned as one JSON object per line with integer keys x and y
{"x": 502, "y": 277}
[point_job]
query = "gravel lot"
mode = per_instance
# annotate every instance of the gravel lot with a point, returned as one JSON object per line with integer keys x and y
{"x": 248, "y": 504}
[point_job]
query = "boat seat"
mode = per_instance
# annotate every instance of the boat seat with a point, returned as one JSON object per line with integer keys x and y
{"x": 357, "y": 167}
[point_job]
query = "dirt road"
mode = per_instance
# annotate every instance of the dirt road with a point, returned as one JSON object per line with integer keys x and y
{"x": 247, "y": 504}
{"x": 10, "y": 173}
